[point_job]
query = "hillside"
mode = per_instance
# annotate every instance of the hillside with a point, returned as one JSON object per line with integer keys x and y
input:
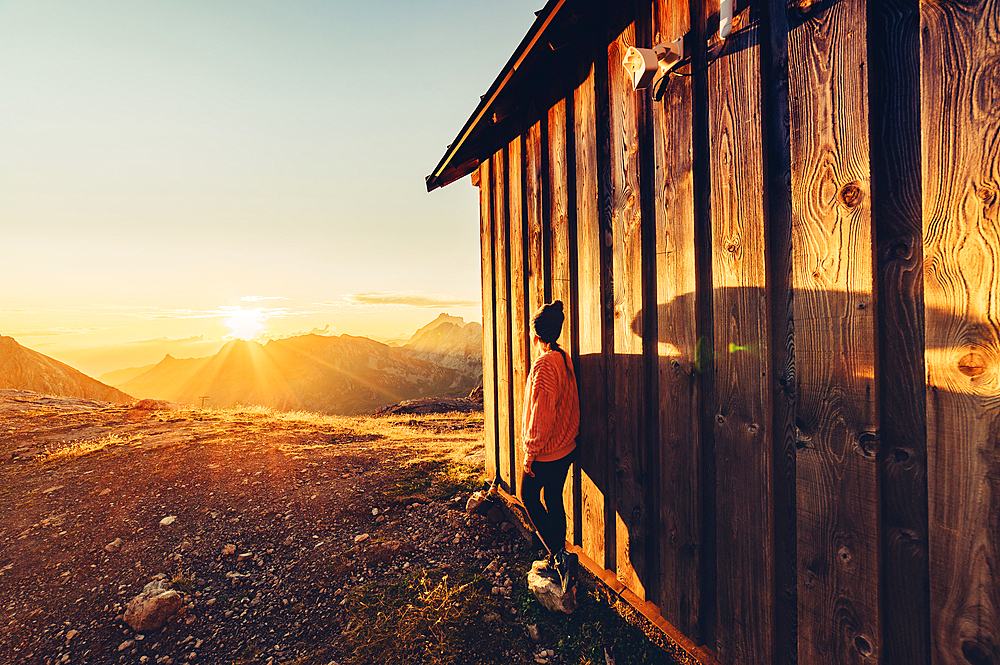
{"x": 290, "y": 538}
{"x": 336, "y": 375}
{"x": 24, "y": 369}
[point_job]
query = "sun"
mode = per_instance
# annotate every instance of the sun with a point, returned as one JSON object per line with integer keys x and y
{"x": 244, "y": 323}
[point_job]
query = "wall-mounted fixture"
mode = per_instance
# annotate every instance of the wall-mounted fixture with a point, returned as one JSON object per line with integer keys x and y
{"x": 725, "y": 18}
{"x": 646, "y": 64}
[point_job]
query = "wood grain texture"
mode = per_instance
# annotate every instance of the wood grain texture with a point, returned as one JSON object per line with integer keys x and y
{"x": 960, "y": 118}
{"x": 560, "y": 254}
{"x": 774, "y": 56}
{"x": 632, "y": 515}
{"x": 837, "y": 416}
{"x": 743, "y": 411}
{"x": 520, "y": 345}
{"x": 490, "y": 442}
{"x": 679, "y": 528}
{"x": 894, "y": 61}
{"x": 536, "y": 223}
{"x": 501, "y": 262}
{"x": 591, "y": 369}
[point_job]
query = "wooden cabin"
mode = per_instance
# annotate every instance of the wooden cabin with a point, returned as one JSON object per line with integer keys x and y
{"x": 782, "y": 285}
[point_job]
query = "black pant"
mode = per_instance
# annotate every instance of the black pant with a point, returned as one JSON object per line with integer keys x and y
{"x": 549, "y": 478}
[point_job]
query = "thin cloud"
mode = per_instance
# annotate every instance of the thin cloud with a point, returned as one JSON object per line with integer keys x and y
{"x": 409, "y": 299}
{"x": 259, "y": 298}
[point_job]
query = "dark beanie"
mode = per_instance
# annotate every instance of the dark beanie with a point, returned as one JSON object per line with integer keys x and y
{"x": 547, "y": 321}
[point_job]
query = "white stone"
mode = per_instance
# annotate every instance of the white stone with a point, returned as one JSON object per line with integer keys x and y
{"x": 167, "y": 521}
{"x": 544, "y": 584}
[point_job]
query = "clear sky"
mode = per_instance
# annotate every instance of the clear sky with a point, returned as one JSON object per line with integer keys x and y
{"x": 168, "y": 167}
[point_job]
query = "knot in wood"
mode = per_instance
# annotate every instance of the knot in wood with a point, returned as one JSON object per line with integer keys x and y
{"x": 732, "y": 247}
{"x": 804, "y": 7}
{"x": 868, "y": 443}
{"x": 977, "y": 653}
{"x": 899, "y": 250}
{"x": 972, "y": 364}
{"x": 851, "y": 195}
{"x": 863, "y": 646}
{"x": 987, "y": 193}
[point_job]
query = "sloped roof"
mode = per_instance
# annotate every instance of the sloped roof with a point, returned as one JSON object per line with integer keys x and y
{"x": 463, "y": 155}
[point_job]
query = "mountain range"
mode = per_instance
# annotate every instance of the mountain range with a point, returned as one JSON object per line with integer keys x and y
{"x": 327, "y": 374}
{"x": 24, "y": 369}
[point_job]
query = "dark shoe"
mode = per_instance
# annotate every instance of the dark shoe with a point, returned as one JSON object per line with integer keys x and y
{"x": 567, "y": 564}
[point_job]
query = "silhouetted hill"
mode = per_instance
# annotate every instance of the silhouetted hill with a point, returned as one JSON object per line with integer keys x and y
{"x": 342, "y": 375}
{"x": 24, "y": 369}
{"x": 120, "y": 376}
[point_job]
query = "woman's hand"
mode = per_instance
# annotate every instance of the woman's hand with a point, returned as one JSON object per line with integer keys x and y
{"x": 526, "y": 468}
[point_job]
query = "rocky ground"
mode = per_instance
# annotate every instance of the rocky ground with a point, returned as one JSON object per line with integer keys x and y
{"x": 289, "y": 537}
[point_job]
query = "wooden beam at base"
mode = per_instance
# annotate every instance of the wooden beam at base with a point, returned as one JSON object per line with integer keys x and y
{"x": 642, "y": 614}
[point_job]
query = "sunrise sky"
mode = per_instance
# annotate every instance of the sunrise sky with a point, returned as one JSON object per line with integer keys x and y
{"x": 175, "y": 172}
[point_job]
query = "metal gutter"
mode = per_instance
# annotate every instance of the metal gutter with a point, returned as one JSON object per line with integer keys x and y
{"x": 524, "y": 49}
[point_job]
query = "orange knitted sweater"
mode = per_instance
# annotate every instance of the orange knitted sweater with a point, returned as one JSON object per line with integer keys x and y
{"x": 551, "y": 416}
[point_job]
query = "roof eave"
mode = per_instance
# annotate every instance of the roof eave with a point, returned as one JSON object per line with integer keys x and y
{"x": 447, "y": 171}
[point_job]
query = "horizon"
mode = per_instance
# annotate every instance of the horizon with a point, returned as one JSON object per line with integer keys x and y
{"x": 175, "y": 176}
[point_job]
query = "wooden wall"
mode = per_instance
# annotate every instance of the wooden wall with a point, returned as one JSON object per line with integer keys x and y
{"x": 782, "y": 289}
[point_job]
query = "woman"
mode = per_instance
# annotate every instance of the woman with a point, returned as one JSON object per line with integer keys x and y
{"x": 549, "y": 426}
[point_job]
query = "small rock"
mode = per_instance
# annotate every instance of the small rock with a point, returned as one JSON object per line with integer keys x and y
{"x": 288, "y": 542}
{"x": 533, "y": 633}
{"x": 167, "y": 521}
{"x": 360, "y": 538}
{"x": 544, "y": 584}
{"x": 243, "y": 557}
{"x": 71, "y": 634}
{"x": 106, "y": 490}
{"x": 150, "y": 609}
{"x": 506, "y": 526}
{"x": 229, "y": 549}
{"x": 374, "y": 511}
{"x": 114, "y": 545}
{"x": 475, "y": 502}
{"x": 125, "y": 645}
{"x": 186, "y": 546}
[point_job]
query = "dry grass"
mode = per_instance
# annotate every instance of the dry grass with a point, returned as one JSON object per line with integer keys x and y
{"x": 79, "y": 448}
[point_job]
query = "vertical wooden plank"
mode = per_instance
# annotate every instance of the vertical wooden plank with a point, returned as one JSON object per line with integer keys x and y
{"x": 520, "y": 353}
{"x": 774, "y": 57}
{"x": 743, "y": 410}
{"x": 701, "y": 158}
{"x": 560, "y": 253}
{"x": 501, "y": 234}
{"x": 894, "y": 61}
{"x": 591, "y": 370}
{"x": 632, "y": 523}
{"x": 960, "y": 114}
{"x": 677, "y": 338}
{"x": 490, "y": 441}
{"x": 837, "y": 492}
{"x": 536, "y": 226}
